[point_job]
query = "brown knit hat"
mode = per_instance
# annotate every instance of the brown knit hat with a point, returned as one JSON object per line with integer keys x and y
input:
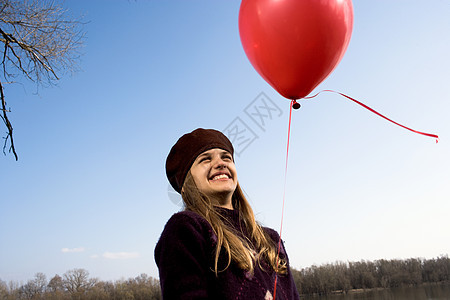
{"x": 187, "y": 148}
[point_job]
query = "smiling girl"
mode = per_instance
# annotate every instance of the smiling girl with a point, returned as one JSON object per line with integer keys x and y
{"x": 214, "y": 248}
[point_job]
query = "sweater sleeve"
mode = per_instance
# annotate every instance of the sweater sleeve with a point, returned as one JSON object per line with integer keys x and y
{"x": 183, "y": 256}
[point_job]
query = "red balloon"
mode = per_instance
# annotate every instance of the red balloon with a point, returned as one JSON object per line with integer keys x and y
{"x": 295, "y": 44}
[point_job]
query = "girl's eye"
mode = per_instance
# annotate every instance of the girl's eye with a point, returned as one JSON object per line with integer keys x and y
{"x": 204, "y": 159}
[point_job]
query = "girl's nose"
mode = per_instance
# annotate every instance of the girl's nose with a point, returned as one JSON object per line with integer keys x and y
{"x": 219, "y": 163}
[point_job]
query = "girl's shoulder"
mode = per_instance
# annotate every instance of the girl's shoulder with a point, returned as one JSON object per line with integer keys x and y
{"x": 187, "y": 217}
{"x": 272, "y": 233}
{"x": 188, "y": 223}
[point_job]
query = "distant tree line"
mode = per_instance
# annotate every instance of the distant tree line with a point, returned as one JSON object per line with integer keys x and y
{"x": 345, "y": 276}
{"x": 320, "y": 280}
{"x": 76, "y": 285}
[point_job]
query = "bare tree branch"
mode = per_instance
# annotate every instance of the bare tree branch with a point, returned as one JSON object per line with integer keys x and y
{"x": 40, "y": 41}
{"x": 8, "y": 125}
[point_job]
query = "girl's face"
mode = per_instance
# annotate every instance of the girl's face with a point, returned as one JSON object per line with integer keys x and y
{"x": 215, "y": 175}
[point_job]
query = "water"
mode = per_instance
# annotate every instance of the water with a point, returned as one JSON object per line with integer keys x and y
{"x": 429, "y": 292}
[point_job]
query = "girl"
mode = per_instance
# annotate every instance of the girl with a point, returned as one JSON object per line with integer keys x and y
{"x": 214, "y": 249}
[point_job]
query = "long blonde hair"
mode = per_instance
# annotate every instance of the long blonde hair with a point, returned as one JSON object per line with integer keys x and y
{"x": 245, "y": 252}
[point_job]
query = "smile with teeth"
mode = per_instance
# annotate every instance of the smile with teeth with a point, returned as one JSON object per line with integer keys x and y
{"x": 221, "y": 176}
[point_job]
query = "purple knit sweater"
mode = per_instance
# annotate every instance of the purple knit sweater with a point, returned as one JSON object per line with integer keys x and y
{"x": 185, "y": 257}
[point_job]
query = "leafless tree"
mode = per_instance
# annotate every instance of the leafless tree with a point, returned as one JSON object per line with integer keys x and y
{"x": 34, "y": 288}
{"x": 3, "y": 290}
{"x": 77, "y": 282}
{"x": 55, "y": 284}
{"x": 39, "y": 41}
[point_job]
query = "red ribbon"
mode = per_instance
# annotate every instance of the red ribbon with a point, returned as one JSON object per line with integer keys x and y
{"x": 287, "y": 157}
{"x": 377, "y": 113}
{"x": 284, "y": 197}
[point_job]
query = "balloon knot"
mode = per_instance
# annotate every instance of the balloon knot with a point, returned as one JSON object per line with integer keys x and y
{"x": 295, "y": 104}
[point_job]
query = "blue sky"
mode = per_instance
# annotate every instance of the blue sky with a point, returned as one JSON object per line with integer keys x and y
{"x": 89, "y": 190}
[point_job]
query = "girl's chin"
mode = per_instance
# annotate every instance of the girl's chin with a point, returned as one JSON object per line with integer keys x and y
{"x": 221, "y": 192}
